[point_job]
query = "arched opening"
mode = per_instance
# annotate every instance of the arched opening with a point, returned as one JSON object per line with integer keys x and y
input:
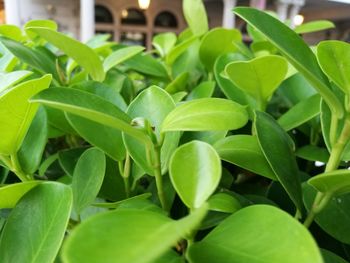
{"x": 103, "y": 15}
{"x": 166, "y": 19}
{"x": 133, "y": 16}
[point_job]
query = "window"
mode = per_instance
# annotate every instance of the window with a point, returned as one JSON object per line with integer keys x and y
{"x": 166, "y": 19}
{"x": 103, "y": 15}
{"x": 133, "y": 16}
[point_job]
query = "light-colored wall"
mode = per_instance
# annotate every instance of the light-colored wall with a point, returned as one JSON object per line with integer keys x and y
{"x": 64, "y": 12}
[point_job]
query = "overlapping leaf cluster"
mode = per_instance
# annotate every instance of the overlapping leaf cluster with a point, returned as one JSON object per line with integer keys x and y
{"x": 204, "y": 150}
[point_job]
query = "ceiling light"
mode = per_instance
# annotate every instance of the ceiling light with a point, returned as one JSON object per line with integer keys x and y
{"x": 298, "y": 20}
{"x": 144, "y": 4}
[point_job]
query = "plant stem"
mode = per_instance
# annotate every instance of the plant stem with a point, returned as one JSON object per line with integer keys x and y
{"x": 158, "y": 176}
{"x": 125, "y": 176}
{"x": 322, "y": 199}
{"x": 16, "y": 168}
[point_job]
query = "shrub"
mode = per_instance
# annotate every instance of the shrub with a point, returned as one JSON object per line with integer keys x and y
{"x": 204, "y": 152}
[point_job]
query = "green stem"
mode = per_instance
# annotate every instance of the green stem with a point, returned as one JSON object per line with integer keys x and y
{"x": 16, "y": 168}
{"x": 121, "y": 167}
{"x": 159, "y": 177}
{"x": 322, "y": 199}
{"x": 126, "y": 175}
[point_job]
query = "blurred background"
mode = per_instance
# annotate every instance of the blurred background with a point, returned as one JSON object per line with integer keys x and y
{"x": 137, "y": 21}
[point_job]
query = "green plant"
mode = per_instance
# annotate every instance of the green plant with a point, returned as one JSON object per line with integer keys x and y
{"x": 204, "y": 152}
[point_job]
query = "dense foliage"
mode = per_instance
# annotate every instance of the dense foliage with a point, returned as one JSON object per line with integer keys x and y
{"x": 203, "y": 150}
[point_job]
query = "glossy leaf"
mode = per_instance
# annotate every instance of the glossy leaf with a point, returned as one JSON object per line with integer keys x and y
{"x": 12, "y": 32}
{"x": 153, "y": 104}
{"x": 121, "y": 55}
{"x": 12, "y": 78}
{"x": 206, "y": 114}
{"x": 38, "y": 221}
{"x": 91, "y": 107}
{"x": 82, "y": 54}
{"x": 195, "y": 172}
{"x": 301, "y": 113}
{"x": 180, "y": 49}
{"x": 334, "y": 218}
{"x": 127, "y": 235}
{"x": 275, "y": 144}
{"x": 333, "y": 57}
{"x": 11, "y": 194}
{"x": 178, "y": 84}
{"x": 31, "y": 56}
{"x": 87, "y": 178}
{"x": 314, "y": 26}
{"x": 17, "y": 113}
{"x": 33, "y": 146}
{"x": 313, "y": 153}
{"x": 164, "y": 42}
{"x": 203, "y": 90}
{"x": 244, "y": 151}
{"x": 330, "y": 257}
{"x": 224, "y": 203}
{"x": 148, "y": 65}
{"x": 196, "y": 16}
{"x": 230, "y": 90}
{"x": 50, "y": 24}
{"x": 259, "y": 77}
{"x": 294, "y": 49}
{"x": 257, "y": 234}
{"x": 336, "y": 182}
{"x": 216, "y": 42}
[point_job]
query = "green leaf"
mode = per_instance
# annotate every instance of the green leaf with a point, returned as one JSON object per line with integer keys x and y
{"x": 12, "y": 32}
{"x": 91, "y": 107}
{"x": 244, "y": 151}
{"x": 9, "y": 79}
{"x": 336, "y": 182}
{"x": 259, "y": 77}
{"x": 206, "y": 114}
{"x": 34, "y": 143}
{"x": 32, "y": 56}
{"x": 171, "y": 257}
{"x": 313, "y": 153}
{"x": 257, "y": 234}
{"x": 195, "y": 172}
{"x": 335, "y": 217}
{"x": 216, "y": 42}
{"x": 87, "y": 178}
{"x": 294, "y": 49}
{"x": 36, "y": 226}
{"x": 227, "y": 87}
{"x": 121, "y": 55}
{"x": 50, "y": 24}
{"x": 82, "y": 54}
{"x": 11, "y": 194}
{"x": 68, "y": 159}
{"x": 224, "y": 203}
{"x": 276, "y": 146}
{"x": 333, "y": 57}
{"x": 204, "y": 90}
{"x": 17, "y": 113}
{"x": 106, "y": 138}
{"x": 180, "y": 49}
{"x": 148, "y": 65}
{"x": 314, "y": 26}
{"x": 301, "y": 113}
{"x": 196, "y": 16}
{"x": 152, "y": 104}
{"x": 7, "y": 61}
{"x": 330, "y": 257}
{"x": 128, "y": 236}
{"x": 164, "y": 43}
{"x": 178, "y": 84}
